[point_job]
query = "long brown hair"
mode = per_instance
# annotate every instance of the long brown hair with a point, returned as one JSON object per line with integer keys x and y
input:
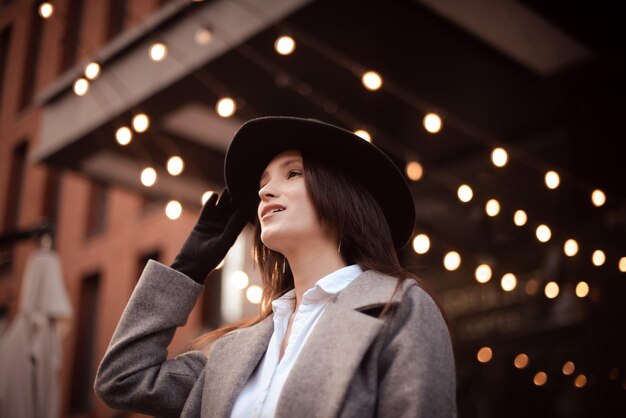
{"x": 349, "y": 209}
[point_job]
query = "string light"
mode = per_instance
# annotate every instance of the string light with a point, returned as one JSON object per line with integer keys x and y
{"x": 540, "y": 378}
{"x": 226, "y": 107}
{"x": 465, "y": 193}
{"x": 175, "y": 165}
{"x": 582, "y": 289}
{"x": 568, "y": 368}
{"x": 543, "y": 233}
{"x": 492, "y": 207}
{"x": 372, "y": 80}
{"x": 570, "y": 248}
{"x": 598, "y": 258}
{"x": 239, "y": 280}
{"x": 432, "y": 123}
{"x": 622, "y": 264}
{"x": 285, "y": 45}
{"x": 46, "y": 9}
{"x": 581, "y": 381}
{"x": 206, "y": 195}
{"x": 452, "y": 260}
{"x": 364, "y": 134}
{"x": 521, "y": 361}
{"x": 141, "y": 122}
{"x": 173, "y": 209}
{"x": 483, "y": 273}
{"x": 499, "y": 157}
{"x": 203, "y": 36}
{"x": 148, "y": 176}
{"x": 598, "y": 198}
{"x": 254, "y": 294}
{"x": 421, "y": 244}
{"x": 531, "y": 287}
{"x": 484, "y": 355}
{"x": 551, "y": 290}
{"x": 414, "y": 170}
{"x": 81, "y": 86}
{"x": 508, "y": 282}
{"x": 520, "y": 218}
{"x": 123, "y": 135}
{"x": 158, "y": 51}
{"x": 552, "y": 180}
{"x": 92, "y": 70}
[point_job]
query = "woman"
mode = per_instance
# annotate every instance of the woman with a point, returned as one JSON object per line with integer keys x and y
{"x": 344, "y": 330}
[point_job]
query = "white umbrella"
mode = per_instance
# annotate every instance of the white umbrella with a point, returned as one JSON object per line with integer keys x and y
{"x": 30, "y": 350}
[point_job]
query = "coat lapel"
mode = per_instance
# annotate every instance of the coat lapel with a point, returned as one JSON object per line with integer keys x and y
{"x": 231, "y": 361}
{"x": 320, "y": 377}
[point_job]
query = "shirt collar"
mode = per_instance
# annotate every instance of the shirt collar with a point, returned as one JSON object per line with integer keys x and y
{"x": 329, "y": 285}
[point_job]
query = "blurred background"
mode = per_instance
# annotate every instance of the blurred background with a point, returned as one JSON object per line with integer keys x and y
{"x": 506, "y": 117}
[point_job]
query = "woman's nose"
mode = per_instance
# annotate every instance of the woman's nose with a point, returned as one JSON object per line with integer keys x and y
{"x": 267, "y": 191}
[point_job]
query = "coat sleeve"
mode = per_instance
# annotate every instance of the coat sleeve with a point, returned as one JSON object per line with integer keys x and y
{"x": 135, "y": 374}
{"x": 416, "y": 369}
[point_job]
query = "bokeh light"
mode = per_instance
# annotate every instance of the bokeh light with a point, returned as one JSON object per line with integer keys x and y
{"x": 173, "y": 209}
{"x": 148, "y": 176}
{"x": 483, "y": 273}
{"x": 421, "y": 244}
{"x": 465, "y": 193}
{"x": 508, "y": 282}
{"x": 499, "y": 157}
{"x": 452, "y": 260}
{"x": 432, "y": 123}
{"x": 520, "y": 218}
{"x": 285, "y": 45}
{"x": 372, "y": 80}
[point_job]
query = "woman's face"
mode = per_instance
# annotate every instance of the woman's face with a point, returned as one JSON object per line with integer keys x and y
{"x": 282, "y": 185}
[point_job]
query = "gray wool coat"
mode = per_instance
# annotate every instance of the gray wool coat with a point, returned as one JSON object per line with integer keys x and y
{"x": 353, "y": 364}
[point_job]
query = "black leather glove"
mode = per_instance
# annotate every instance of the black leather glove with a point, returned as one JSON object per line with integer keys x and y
{"x": 217, "y": 228}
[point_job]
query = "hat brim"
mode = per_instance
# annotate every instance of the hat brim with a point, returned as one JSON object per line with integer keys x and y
{"x": 259, "y": 140}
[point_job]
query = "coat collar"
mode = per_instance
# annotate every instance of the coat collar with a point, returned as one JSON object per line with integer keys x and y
{"x": 234, "y": 357}
{"x": 341, "y": 337}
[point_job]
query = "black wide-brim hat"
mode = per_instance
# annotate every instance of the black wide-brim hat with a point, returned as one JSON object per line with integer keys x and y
{"x": 259, "y": 140}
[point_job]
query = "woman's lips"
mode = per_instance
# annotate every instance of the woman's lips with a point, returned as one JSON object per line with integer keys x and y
{"x": 268, "y": 214}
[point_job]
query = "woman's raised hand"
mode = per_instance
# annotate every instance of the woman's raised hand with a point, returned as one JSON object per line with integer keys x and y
{"x": 217, "y": 228}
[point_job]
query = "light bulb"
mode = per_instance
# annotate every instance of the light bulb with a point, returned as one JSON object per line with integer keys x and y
{"x": 421, "y": 244}
{"x": 285, "y": 45}
{"x": 432, "y": 123}
{"x": 499, "y": 157}
{"x": 465, "y": 193}
{"x": 226, "y": 107}
{"x": 372, "y": 80}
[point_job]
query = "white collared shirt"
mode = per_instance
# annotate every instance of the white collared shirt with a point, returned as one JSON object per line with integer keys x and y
{"x": 259, "y": 396}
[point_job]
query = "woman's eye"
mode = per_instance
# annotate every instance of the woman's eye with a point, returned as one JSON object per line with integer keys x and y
{"x": 288, "y": 176}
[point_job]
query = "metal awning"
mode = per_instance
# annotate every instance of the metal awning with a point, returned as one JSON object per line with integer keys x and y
{"x": 78, "y": 132}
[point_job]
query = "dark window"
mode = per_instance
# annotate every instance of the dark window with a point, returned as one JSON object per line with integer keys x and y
{"x": 33, "y": 45}
{"x": 12, "y": 202}
{"x": 82, "y": 371}
{"x": 71, "y": 38}
{"x": 14, "y": 190}
{"x": 117, "y": 18}
{"x": 5, "y": 42}
{"x": 96, "y": 211}
{"x": 52, "y": 190}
